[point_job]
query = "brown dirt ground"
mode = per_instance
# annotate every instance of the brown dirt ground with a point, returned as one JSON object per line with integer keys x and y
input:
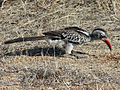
{"x": 36, "y": 65}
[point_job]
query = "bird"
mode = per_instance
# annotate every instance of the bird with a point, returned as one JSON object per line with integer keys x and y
{"x": 68, "y": 37}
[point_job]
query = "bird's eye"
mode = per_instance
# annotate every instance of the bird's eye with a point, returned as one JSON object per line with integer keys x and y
{"x": 103, "y": 36}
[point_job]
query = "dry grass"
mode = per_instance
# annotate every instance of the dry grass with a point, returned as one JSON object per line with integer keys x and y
{"x": 35, "y": 65}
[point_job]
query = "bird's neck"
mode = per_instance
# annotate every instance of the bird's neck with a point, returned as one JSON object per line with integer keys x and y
{"x": 93, "y": 37}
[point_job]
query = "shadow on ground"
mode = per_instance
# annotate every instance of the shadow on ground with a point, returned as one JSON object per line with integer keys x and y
{"x": 42, "y": 52}
{"x": 38, "y": 52}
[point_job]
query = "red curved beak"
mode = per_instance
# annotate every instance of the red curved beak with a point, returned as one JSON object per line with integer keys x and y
{"x": 107, "y": 41}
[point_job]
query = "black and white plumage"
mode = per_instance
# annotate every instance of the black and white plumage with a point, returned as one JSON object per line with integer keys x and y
{"x": 68, "y": 37}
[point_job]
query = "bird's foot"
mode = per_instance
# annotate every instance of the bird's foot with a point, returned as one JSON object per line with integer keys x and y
{"x": 76, "y": 56}
{"x": 82, "y": 53}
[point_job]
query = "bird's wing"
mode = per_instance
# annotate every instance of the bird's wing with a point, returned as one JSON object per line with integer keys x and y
{"x": 75, "y": 37}
{"x": 71, "y": 34}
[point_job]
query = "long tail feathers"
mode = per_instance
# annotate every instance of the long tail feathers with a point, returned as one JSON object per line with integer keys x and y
{"x": 25, "y": 39}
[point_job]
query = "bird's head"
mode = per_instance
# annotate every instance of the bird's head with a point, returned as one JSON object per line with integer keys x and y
{"x": 100, "y": 34}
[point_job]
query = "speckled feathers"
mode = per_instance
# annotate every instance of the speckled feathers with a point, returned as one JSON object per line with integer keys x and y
{"x": 73, "y": 35}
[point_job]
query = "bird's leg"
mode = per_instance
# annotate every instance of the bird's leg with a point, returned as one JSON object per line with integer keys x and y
{"x": 52, "y": 43}
{"x": 54, "y": 49}
{"x": 69, "y": 48}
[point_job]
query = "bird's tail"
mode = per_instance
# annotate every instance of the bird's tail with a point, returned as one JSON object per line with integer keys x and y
{"x": 25, "y": 39}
